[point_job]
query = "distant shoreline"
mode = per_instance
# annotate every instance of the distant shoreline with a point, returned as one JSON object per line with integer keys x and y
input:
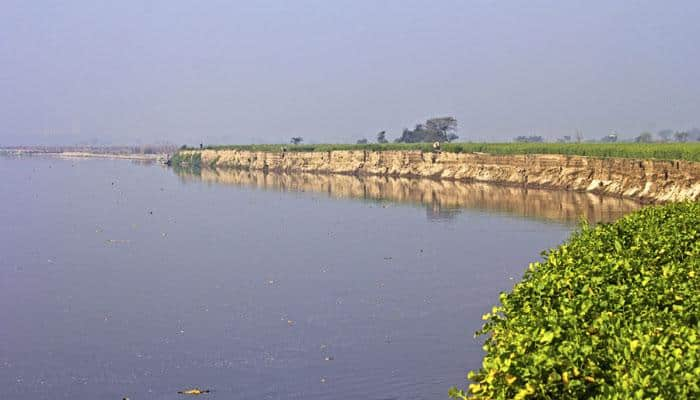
{"x": 103, "y": 153}
{"x": 77, "y": 154}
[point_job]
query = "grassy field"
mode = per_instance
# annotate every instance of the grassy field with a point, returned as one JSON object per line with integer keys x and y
{"x": 660, "y": 151}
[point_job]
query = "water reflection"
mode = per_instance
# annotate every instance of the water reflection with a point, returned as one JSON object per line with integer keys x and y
{"x": 442, "y": 199}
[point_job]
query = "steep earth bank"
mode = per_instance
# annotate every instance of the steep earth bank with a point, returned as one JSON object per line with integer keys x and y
{"x": 643, "y": 180}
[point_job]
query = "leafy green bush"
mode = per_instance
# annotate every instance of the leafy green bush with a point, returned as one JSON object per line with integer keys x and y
{"x": 614, "y": 313}
{"x": 660, "y": 151}
{"x": 188, "y": 158}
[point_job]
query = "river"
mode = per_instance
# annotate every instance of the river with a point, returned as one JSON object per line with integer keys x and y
{"x": 121, "y": 278}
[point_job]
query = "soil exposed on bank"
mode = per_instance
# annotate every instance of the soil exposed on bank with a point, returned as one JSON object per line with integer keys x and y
{"x": 646, "y": 181}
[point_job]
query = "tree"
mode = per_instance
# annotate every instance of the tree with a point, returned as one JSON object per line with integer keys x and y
{"x": 644, "y": 137}
{"x": 694, "y": 134}
{"x": 440, "y": 129}
{"x": 564, "y": 139}
{"x": 296, "y": 140}
{"x": 362, "y": 141}
{"x": 611, "y": 138}
{"x": 529, "y": 139}
{"x": 381, "y": 137}
{"x": 681, "y": 136}
{"x": 444, "y": 125}
{"x": 665, "y": 135}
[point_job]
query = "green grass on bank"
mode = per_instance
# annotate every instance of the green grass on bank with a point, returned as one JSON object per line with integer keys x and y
{"x": 190, "y": 160}
{"x": 613, "y": 313}
{"x": 661, "y": 151}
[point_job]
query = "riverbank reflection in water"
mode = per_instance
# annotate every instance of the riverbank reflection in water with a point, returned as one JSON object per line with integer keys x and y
{"x": 442, "y": 199}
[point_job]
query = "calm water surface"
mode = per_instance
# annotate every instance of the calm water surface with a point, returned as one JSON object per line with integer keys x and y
{"x": 123, "y": 279}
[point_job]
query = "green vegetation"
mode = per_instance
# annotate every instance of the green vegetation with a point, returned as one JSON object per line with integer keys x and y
{"x": 212, "y": 163}
{"x": 189, "y": 159}
{"x": 434, "y": 130}
{"x": 661, "y": 151}
{"x": 613, "y": 313}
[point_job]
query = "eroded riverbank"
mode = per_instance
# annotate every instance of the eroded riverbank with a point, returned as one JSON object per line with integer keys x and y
{"x": 647, "y": 181}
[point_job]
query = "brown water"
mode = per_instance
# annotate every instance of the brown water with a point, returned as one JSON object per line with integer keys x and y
{"x": 125, "y": 279}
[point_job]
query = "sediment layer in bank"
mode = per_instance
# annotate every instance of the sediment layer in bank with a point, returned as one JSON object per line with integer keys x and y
{"x": 642, "y": 180}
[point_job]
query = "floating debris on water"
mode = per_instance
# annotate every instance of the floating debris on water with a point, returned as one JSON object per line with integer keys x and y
{"x": 195, "y": 391}
{"x": 117, "y": 241}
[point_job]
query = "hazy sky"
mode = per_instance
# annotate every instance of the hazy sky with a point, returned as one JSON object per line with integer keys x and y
{"x": 336, "y": 71}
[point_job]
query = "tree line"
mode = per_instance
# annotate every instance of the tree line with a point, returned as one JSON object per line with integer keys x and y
{"x": 440, "y": 129}
{"x": 444, "y": 129}
{"x": 662, "y": 136}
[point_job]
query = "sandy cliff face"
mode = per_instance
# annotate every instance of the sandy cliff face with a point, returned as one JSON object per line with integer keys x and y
{"x": 642, "y": 180}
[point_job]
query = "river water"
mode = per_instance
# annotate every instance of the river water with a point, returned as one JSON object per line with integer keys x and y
{"x": 121, "y": 279}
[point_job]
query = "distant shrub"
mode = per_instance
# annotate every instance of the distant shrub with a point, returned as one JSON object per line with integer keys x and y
{"x": 192, "y": 159}
{"x": 613, "y": 313}
{"x": 148, "y": 150}
{"x": 529, "y": 139}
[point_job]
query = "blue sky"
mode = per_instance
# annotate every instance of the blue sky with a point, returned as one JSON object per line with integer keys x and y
{"x": 336, "y": 71}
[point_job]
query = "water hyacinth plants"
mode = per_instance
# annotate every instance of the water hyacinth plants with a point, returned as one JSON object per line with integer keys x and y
{"x": 613, "y": 313}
